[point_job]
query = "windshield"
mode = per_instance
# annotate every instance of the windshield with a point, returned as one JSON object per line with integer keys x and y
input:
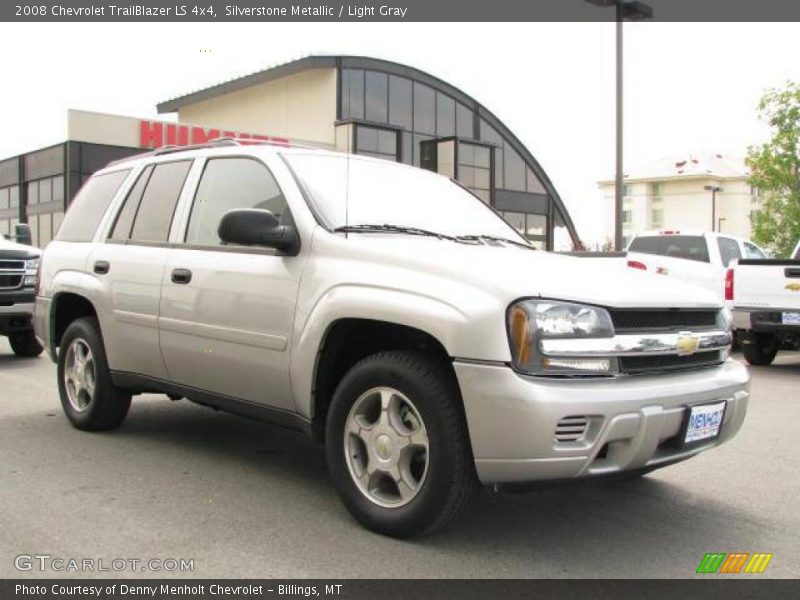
{"x": 386, "y": 193}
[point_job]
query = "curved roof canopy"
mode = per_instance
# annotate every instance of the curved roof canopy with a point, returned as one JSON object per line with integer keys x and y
{"x": 367, "y": 63}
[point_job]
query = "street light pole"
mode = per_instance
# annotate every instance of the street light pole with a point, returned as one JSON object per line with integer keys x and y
{"x": 626, "y": 10}
{"x": 713, "y": 189}
{"x": 618, "y": 166}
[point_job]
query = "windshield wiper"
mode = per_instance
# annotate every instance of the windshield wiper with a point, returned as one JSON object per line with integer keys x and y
{"x": 492, "y": 238}
{"x": 387, "y": 228}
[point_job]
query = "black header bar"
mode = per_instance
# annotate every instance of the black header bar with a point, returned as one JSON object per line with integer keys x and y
{"x": 397, "y": 10}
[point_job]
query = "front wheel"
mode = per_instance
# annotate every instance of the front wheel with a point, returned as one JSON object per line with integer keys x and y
{"x": 397, "y": 444}
{"x": 25, "y": 344}
{"x": 761, "y": 349}
{"x": 90, "y": 400}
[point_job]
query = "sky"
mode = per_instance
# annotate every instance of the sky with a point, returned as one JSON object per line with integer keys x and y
{"x": 689, "y": 87}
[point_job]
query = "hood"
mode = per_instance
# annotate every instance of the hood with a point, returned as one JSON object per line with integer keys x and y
{"x": 9, "y": 249}
{"x": 511, "y": 272}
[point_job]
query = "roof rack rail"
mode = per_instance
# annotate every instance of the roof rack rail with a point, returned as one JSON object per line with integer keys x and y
{"x": 220, "y": 141}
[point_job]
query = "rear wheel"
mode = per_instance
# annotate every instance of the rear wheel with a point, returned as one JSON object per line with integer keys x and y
{"x": 90, "y": 400}
{"x": 25, "y": 344}
{"x": 397, "y": 444}
{"x": 760, "y": 349}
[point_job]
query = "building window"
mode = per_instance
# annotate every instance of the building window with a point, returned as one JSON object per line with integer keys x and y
{"x": 445, "y": 115}
{"x": 475, "y": 169}
{"x": 626, "y": 190}
{"x": 532, "y": 226}
{"x": 627, "y": 216}
{"x": 657, "y": 217}
{"x": 424, "y": 109}
{"x": 400, "y": 103}
{"x": 656, "y": 190}
{"x": 376, "y": 96}
{"x": 380, "y": 143}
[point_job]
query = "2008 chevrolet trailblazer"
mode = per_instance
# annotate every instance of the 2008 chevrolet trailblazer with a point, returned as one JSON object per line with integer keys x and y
{"x": 385, "y": 310}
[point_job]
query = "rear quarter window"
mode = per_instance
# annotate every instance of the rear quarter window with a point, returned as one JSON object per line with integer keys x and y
{"x": 690, "y": 247}
{"x": 89, "y": 206}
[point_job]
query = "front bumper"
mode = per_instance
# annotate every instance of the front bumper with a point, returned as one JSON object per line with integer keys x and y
{"x": 16, "y": 311}
{"x": 632, "y": 422}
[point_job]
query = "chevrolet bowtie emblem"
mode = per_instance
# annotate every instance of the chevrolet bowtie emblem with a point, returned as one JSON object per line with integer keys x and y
{"x": 687, "y": 343}
{"x": 793, "y": 287}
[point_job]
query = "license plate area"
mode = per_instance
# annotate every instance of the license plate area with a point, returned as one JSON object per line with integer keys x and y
{"x": 790, "y": 318}
{"x": 702, "y": 423}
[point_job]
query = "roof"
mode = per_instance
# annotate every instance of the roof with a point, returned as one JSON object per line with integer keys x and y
{"x": 714, "y": 166}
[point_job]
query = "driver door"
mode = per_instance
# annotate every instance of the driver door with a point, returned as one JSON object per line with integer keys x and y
{"x": 226, "y": 312}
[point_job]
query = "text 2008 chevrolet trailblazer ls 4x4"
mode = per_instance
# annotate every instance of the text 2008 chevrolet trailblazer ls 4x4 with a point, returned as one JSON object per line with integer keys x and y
{"x": 385, "y": 310}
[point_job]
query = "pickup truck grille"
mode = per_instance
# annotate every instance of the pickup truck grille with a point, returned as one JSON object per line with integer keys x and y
{"x": 669, "y": 362}
{"x": 11, "y": 274}
{"x": 643, "y": 320}
{"x": 10, "y": 281}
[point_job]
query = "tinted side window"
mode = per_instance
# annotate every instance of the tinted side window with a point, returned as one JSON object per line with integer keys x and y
{"x": 158, "y": 202}
{"x": 752, "y": 251}
{"x": 229, "y": 183}
{"x": 691, "y": 247}
{"x": 728, "y": 250}
{"x": 89, "y": 206}
{"x": 122, "y": 227}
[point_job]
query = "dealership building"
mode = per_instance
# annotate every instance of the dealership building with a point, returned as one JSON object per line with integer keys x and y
{"x": 351, "y": 104}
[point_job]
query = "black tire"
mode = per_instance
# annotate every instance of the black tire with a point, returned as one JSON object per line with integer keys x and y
{"x": 25, "y": 344}
{"x": 108, "y": 405}
{"x": 761, "y": 349}
{"x": 450, "y": 481}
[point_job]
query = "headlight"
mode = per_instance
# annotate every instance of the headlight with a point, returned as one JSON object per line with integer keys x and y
{"x": 530, "y": 321}
{"x": 32, "y": 264}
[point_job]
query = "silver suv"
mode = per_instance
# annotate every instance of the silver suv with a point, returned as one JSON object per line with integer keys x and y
{"x": 386, "y": 311}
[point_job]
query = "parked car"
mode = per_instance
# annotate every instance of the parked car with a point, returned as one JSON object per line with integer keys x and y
{"x": 699, "y": 257}
{"x": 18, "y": 264}
{"x": 386, "y": 311}
{"x": 766, "y": 307}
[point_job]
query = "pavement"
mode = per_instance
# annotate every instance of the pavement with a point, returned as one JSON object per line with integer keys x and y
{"x": 243, "y": 499}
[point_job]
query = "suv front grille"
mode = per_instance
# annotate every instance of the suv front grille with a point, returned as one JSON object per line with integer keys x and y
{"x": 12, "y": 265}
{"x": 571, "y": 429}
{"x": 637, "y": 320}
{"x": 668, "y": 362}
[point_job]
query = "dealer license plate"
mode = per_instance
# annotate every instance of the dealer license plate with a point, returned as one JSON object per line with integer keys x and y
{"x": 704, "y": 422}
{"x": 790, "y": 318}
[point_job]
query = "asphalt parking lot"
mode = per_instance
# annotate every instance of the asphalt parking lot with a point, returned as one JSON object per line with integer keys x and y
{"x": 243, "y": 499}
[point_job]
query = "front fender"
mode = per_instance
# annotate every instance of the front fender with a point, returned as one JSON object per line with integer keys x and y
{"x": 457, "y": 331}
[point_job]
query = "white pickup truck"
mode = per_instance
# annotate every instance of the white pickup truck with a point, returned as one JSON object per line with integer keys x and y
{"x": 699, "y": 257}
{"x": 766, "y": 307}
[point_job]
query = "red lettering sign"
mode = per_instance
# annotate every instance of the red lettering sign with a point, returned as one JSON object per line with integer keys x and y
{"x": 154, "y": 134}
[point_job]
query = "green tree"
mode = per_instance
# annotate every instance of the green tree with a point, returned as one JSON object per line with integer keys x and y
{"x": 774, "y": 171}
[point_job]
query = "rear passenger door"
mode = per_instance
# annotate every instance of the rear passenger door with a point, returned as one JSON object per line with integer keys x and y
{"x": 130, "y": 266}
{"x": 227, "y": 311}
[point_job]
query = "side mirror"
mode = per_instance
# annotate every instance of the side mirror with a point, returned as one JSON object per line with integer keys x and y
{"x": 256, "y": 227}
{"x": 22, "y": 234}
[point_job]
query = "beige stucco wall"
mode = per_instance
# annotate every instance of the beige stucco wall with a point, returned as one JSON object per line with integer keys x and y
{"x": 686, "y": 205}
{"x": 300, "y": 107}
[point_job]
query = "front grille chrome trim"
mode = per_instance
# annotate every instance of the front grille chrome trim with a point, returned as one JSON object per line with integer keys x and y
{"x": 643, "y": 344}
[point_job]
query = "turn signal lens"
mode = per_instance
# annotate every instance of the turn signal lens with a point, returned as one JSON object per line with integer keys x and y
{"x": 520, "y": 334}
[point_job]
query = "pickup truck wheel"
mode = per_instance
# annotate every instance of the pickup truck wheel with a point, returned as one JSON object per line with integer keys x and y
{"x": 760, "y": 350}
{"x": 90, "y": 400}
{"x": 397, "y": 444}
{"x": 25, "y": 344}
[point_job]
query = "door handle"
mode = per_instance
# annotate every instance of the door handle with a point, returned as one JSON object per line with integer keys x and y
{"x": 181, "y": 276}
{"x": 101, "y": 267}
